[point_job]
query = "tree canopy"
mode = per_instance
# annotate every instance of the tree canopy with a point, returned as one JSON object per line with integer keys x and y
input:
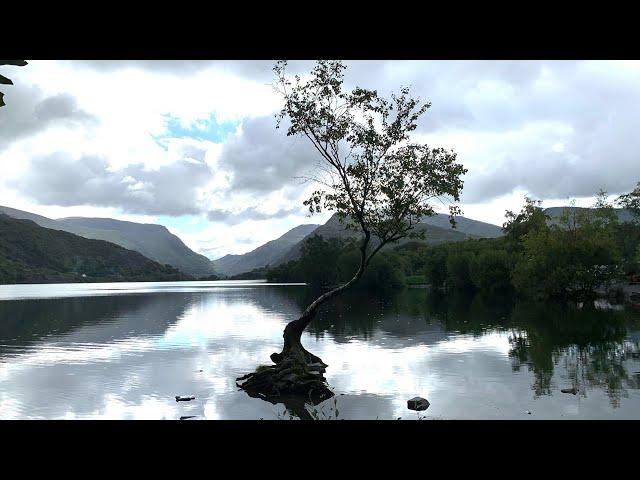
{"x": 631, "y": 201}
{"x": 372, "y": 173}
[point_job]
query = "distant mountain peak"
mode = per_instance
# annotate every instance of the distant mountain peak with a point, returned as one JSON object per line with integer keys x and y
{"x": 437, "y": 229}
{"x": 266, "y": 254}
{"x": 623, "y": 214}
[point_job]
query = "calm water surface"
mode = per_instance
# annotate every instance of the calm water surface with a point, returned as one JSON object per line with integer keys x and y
{"x": 125, "y": 350}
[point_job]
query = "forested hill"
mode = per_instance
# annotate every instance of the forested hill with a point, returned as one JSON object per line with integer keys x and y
{"x": 152, "y": 241}
{"x": 555, "y": 213}
{"x": 436, "y": 229}
{"x": 30, "y": 253}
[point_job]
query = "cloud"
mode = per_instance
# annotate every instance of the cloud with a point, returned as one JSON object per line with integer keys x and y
{"x": 251, "y": 213}
{"x": 31, "y": 112}
{"x": 504, "y": 118}
{"x": 263, "y": 159}
{"x": 259, "y": 70}
{"x": 126, "y": 136}
{"x": 168, "y": 190}
{"x": 556, "y": 129}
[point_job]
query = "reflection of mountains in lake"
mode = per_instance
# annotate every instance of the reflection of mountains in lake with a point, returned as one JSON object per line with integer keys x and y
{"x": 119, "y": 316}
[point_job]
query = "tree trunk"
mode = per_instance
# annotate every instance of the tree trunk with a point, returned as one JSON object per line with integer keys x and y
{"x": 297, "y": 371}
{"x": 293, "y": 331}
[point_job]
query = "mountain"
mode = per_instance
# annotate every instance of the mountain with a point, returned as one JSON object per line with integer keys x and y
{"x": 465, "y": 225}
{"x": 267, "y": 254}
{"x": 555, "y": 213}
{"x": 437, "y": 229}
{"x": 152, "y": 241}
{"x": 30, "y": 253}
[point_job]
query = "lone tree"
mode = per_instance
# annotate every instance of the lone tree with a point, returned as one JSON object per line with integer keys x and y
{"x": 377, "y": 180}
{"x": 4, "y": 80}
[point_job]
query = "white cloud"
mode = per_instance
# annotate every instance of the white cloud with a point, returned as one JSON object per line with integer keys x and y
{"x": 543, "y": 128}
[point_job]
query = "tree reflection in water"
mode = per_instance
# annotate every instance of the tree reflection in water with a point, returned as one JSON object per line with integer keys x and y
{"x": 589, "y": 346}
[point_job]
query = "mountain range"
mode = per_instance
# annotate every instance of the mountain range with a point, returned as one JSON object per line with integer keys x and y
{"x": 554, "y": 213}
{"x": 159, "y": 245}
{"x": 268, "y": 254}
{"x": 152, "y": 241}
{"x": 437, "y": 229}
{"x": 30, "y": 253}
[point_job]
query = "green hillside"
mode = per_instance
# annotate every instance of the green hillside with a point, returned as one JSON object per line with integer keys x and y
{"x": 152, "y": 241}
{"x": 433, "y": 235}
{"x": 266, "y": 254}
{"x": 30, "y": 253}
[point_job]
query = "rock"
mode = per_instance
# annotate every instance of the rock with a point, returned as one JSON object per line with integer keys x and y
{"x": 418, "y": 403}
{"x": 180, "y": 398}
{"x": 573, "y": 391}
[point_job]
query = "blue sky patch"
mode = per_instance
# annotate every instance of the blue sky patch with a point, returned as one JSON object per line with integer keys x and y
{"x": 203, "y": 129}
{"x": 183, "y": 223}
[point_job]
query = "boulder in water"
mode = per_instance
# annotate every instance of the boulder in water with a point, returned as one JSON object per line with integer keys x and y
{"x": 418, "y": 404}
{"x": 572, "y": 391}
{"x": 180, "y": 398}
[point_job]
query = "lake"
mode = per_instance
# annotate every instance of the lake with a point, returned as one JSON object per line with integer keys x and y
{"x": 125, "y": 350}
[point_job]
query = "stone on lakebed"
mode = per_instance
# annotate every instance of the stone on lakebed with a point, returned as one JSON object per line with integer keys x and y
{"x": 180, "y": 398}
{"x": 418, "y": 403}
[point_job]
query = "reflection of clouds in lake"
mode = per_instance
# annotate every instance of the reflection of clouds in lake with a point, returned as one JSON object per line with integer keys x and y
{"x": 457, "y": 370}
{"x": 128, "y": 356}
{"x": 216, "y": 318}
{"x": 132, "y": 376}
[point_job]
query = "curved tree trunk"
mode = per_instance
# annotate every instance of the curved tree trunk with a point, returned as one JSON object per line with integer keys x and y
{"x": 297, "y": 371}
{"x": 293, "y": 331}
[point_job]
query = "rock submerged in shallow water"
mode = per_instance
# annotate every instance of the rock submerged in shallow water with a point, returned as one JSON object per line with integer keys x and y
{"x": 180, "y": 398}
{"x": 418, "y": 403}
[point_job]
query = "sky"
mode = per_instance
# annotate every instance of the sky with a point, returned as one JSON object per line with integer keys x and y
{"x": 192, "y": 145}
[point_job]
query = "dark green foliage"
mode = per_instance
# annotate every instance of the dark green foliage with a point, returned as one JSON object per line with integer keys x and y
{"x": 530, "y": 218}
{"x": 318, "y": 261}
{"x": 416, "y": 280}
{"x": 385, "y": 271}
{"x": 491, "y": 271}
{"x": 255, "y": 274}
{"x": 572, "y": 257}
{"x": 459, "y": 270}
{"x": 326, "y": 263}
{"x": 4, "y": 80}
{"x": 627, "y": 238}
{"x": 435, "y": 267}
{"x": 631, "y": 201}
{"x": 569, "y": 256}
{"x": 33, "y": 254}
